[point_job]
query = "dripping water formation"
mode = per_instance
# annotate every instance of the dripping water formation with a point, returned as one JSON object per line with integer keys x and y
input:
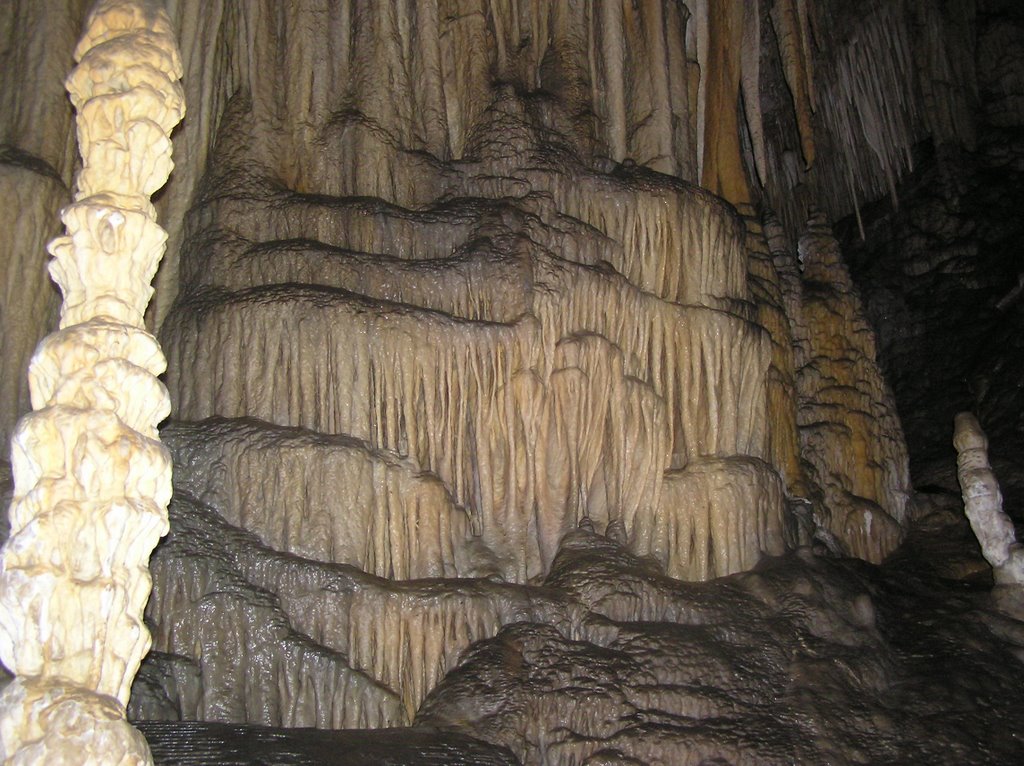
{"x": 570, "y": 382}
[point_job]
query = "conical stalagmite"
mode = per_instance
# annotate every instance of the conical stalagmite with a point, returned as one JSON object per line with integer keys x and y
{"x": 850, "y": 434}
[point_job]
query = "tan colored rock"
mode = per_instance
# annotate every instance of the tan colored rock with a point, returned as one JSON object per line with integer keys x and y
{"x": 531, "y": 420}
{"x": 279, "y": 640}
{"x": 92, "y": 482}
{"x": 332, "y": 499}
{"x": 789, "y": 17}
{"x": 851, "y": 439}
{"x": 722, "y": 170}
{"x": 718, "y": 516}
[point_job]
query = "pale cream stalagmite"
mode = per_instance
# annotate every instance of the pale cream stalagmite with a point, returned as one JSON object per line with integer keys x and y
{"x": 92, "y": 480}
{"x": 983, "y": 502}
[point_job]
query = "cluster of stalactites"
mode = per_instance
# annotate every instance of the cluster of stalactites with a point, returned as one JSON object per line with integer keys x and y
{"x": 879, "y": 79}
{"x": 92, "y": 480}
{"x": 659, "y": 83}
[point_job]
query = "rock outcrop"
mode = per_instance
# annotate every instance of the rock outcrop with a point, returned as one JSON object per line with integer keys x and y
{"x": 850, "y": 434}
{"x": 468, "y": 372}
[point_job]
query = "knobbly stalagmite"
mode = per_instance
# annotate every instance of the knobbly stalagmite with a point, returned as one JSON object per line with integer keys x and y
{"x": 92, "y": 480}
{"x": 849, "y": 431}
{"x": 983, "y": 502}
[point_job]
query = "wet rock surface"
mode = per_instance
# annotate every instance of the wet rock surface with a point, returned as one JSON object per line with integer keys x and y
{"x": 472, "y": 370}
{"x": 212, "y": 744}
{"x": 805, "y": 659}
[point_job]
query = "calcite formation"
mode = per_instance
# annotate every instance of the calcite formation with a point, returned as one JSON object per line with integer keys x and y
{"x": 803, "y": 660}
{"x": 439, "y": 363}
{"x": 983, "y": 502}
{"x": 617, "y": 345}
{"x": 850, "y": 435}
{"x": 482, "y": 335}
{"x": 92, "y": 481}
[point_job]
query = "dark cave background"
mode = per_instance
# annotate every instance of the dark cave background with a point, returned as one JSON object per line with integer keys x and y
{"x": 941, "y": 271}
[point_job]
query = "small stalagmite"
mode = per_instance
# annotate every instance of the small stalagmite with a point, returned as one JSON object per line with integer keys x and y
{"x": 92, "y": 481}
{"x": 983, "y": 502}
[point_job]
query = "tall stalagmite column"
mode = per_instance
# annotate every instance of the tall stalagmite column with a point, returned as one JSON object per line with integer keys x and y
{"x": 92, "y": 480}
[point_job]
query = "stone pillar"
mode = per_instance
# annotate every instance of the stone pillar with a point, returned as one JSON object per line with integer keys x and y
{"x": 92, "y": 480}
{"x": 983, "y": 502}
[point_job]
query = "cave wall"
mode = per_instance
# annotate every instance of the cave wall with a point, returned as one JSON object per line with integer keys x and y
{"x": 36, "y": 169}
{"x": 448, "y": 281}
{"x": 940, "y": 272}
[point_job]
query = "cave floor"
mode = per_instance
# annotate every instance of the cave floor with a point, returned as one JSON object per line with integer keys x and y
{"x": 950, "y": 689}
{"x": 192, "y": 743}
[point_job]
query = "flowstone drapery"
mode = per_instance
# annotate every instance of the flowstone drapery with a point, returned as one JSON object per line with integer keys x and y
{"x": 449, "y": 316}
{"x": 92, "y": 481}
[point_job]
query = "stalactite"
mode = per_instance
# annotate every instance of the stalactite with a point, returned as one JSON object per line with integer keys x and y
{"x": 722, "y": 171}
{"x": 791, "y": 30}
{"x": 610, "y": 26}
{"x": 750, "y": 85}
{"x": 92, "y": 481}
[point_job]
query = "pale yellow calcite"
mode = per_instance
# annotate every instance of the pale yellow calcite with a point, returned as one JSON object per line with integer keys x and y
{"x": 92, "y": 481}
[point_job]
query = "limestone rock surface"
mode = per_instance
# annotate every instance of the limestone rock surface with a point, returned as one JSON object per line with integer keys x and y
{"x": 487, "y": 417}
{"x": 430, "y": 335}
{"x": 803, "y": 659}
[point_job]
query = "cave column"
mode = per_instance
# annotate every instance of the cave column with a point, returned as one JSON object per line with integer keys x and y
{"x": 91, "y": 479}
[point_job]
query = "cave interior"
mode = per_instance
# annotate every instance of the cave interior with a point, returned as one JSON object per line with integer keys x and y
{"x": 555, "y": 381}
